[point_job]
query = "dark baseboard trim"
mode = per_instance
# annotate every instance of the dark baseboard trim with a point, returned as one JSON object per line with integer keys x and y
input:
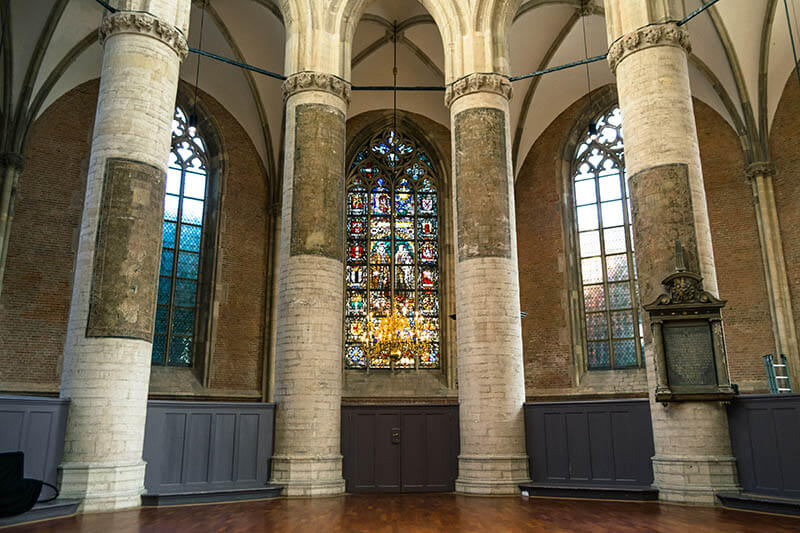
{"x": 211, "y": 496}
{"x": 43, "y": 511}
{"x": 591, "y": 492}
{"x": 760, "y": 503}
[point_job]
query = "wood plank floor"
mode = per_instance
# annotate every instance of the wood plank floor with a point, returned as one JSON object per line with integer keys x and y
{"x": 401, "y": 513}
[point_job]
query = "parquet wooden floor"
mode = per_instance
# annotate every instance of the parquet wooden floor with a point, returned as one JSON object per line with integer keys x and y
{"x": 402, "y": 513}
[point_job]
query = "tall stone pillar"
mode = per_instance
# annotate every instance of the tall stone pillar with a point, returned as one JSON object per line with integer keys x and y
{"x": 110, "y": 330}
{"x": 693, "y": 458}
{"x": 760, "y": 175}
{"x": 491, "y": 385}
{"x": 308, "y": 358}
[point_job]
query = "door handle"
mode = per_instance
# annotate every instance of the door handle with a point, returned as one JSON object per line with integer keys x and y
{"x": 395, "y": 435}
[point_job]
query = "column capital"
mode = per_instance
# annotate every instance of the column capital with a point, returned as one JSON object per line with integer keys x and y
{"x": 146, "y": 24}
{"x": 668, "y": 34}
{"x": 316, "y": 81}
{"x": 478, "y": 82}
{"x": 12, "y": 160}
{"x": 759, "y": 168}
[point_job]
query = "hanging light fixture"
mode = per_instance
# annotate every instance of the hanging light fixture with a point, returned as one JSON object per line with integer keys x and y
{"x": 193, "y": 115}
{"x": 402, "y": 333}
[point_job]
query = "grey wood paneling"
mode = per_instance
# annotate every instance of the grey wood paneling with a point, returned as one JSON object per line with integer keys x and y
{"x": 424, "y": 460}
{"x": 602, "y": 444}
{"x": 207, "y": 446}
{"x": 765, "y": 437}
{"x": 36, "y": 427}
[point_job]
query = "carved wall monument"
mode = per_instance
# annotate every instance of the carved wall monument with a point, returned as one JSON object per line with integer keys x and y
{"x": 688, "y": 341}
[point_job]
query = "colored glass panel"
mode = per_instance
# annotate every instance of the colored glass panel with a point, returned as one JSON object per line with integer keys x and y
{"x": 380, "y": 252}
{"x": 392, "y": 247}
{"x": 405, "y": 253}
{"x": 379, "y": 277}
{"x": 404, "y": 204}
{"x": 356, "y": 277}
{"x": 404, "y": 228}
{"x": 380, "y": 228}
{"x": 427, "y": 205}
{"x": 357, "y": 227}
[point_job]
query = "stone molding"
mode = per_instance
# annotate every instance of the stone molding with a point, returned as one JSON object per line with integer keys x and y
{"x": 478, "y": 82}
{"x": 146, "y": 24}
{"x": 759, "y": 168}
{"x": 668, "y": 34}
{"x": 316, "y": 81}
{"x": 12, "y": 160}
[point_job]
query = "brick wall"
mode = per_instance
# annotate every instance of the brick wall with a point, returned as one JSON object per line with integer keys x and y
{"x": 784, "y": 140}
{"x": 543, "y": 279}
{"x": 737, "y": 250}
{"x": 34, "y": 306}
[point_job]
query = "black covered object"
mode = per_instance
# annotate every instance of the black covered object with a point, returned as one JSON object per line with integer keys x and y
{"x": 17, "y": 494}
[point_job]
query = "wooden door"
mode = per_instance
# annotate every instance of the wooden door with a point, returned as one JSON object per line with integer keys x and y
{"x": 400, "y": 448}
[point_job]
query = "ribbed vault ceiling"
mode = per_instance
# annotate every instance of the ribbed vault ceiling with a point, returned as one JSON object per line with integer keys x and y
{"x": 740, "y": 63}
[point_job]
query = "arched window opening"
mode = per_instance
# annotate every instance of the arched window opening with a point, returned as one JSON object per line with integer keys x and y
{"x": 184, "y": 214}
{"x": 392, "y": 246}
{"x": 613, "y": 330}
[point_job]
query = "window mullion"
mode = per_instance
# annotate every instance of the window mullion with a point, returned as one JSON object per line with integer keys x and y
{"x": 631, "y": 268}
{"x": 604, "y": 268}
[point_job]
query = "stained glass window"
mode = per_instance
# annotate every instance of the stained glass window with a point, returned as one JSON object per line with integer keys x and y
{"x": 392, "y": 246}
{"x": 184, "y": 209}
{"x": 605, "y": 244}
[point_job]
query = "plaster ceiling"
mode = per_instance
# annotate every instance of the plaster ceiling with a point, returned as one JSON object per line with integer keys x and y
{"x": 733, "y": 42}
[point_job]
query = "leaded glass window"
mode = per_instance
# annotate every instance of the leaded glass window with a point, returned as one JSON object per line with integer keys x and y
{"x": 184, "y": 210}
{"x": 392, "y": 246}
{"x": 605, "y": 245}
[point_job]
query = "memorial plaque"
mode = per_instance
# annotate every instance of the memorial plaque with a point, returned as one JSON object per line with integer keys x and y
{"x": 127, "y": 252}
{"x": 690, "y": 354}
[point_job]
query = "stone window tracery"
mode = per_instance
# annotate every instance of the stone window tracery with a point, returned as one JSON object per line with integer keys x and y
{"x": 182, "y": 245}
{"x": 607, "y": 267}
{"x": 392, "y": 247}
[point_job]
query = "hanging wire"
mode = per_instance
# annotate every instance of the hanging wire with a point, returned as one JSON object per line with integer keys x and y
{"x": 394, "y": 86}
{"x": 791, "y": 38}
{"x": 584, "y": 15}
{"x": 193, "y": 116}
{"x": 277, "y": 76}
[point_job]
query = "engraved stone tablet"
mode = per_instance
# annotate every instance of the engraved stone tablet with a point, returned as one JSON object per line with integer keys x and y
{"x": 482, "y": 183}
{"x": 127, "y": 252}
{"x": 689, "y": 354}
{"x": 318, "y": 186}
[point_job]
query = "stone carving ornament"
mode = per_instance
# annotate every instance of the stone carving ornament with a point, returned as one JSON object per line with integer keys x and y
{"x": 656, "y": 35}
{"x": 316, "y": 81}
{"x": 147, "y": 24}
{"x": 478, "y": 82}
{"x": 759, "y": 168}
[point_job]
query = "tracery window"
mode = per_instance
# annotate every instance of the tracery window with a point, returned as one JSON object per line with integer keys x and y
{"x": 184, "y": 210}
{"x": 392, "y": 246}
{"x": 613, "y": 330}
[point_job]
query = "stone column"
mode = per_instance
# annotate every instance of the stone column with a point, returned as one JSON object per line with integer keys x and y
{"x": 760, "y": 175}
{"x": 308, "y": 359}
{"x": 110, "y": 330}
{"x": 11, "y": 166}
{"x": 491, "y": 385}
{"x": 693, "y": 458}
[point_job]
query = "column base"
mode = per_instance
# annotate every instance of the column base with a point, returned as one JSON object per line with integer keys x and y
{"x": 492, "y": 474}
{"x": 694, "y": 479}
{"x": 102, "y": 486}
{"x": 308, "y": 476}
